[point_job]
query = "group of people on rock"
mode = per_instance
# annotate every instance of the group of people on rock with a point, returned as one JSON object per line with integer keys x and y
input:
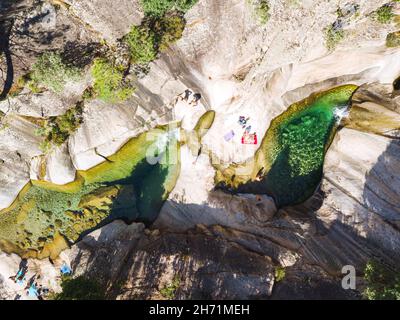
{"x": 32, "y": 286}
{"x": 20, "y": 275}
{"x": 185, "y": 96}
{"x": 247, "y": 137}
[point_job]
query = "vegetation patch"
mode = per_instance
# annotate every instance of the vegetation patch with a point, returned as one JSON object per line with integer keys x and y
{"x": 393, "y": 39}
{"x": 56, "y": 130}
{"x": 384, "y": 14}
{"x": 382, "y": 284}
{"x": 18, "y": 86}
{"x": 261, "y": 8}
{"x": 280, "y": 273}
{"x": 142, "y": 44}
{"x": 154, "y": 35}
{"x": 168, "y": 30}
{"x": 169, "y": 291}
{"x": 333, "y": 36}
{"x": 80, "y": 288}
{"x": 157, "y": 8}
{"x": 110, "y": 83}
{"x": 51, "y": 72}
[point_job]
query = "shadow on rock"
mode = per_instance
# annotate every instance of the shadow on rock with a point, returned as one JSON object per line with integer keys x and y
{"x": 382, "y": 186}
{"x": 216, "y": 262}
{"x": 381, "y": 194}
{"x": 8, "y": 11}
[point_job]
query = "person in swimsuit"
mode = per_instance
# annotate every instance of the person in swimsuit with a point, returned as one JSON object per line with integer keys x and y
{"x": 195, "y": 100}
{"x": 185, "y": 95}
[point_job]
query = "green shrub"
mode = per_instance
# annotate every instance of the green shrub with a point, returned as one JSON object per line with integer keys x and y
{"x": 109, "y": 81}
{"x": 333, "y": 37}
{"x": 70, "y": 121}
{"x": 262, "y": 10}
{"x": 384, "y": 14}
{"x": 142, "y": 44}
{"x": 168, "y": 30}
{"x": 80, "y": 288}
{"x": 157, "y": 8}
{"x": 280, "y": 274}
{"x": 169, "y": 291}
{"x": 382, "y": 284}
{"x": 154, "y": 35}
{"x": 51, "y": 72}
{"x": 393, "y": 39}
{"x": 57, "y": 130}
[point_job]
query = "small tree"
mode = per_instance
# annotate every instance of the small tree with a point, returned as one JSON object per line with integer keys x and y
{"x": 262, "y": 10}
{"x": 154, "y": 35}
{"x": 56, "y": 130}
{"x": 51, "y": 72}
{"x": 109, "y": 81}
{"x": 169, "y": 29}
{"x": 280, "y": 273}
{"x": 142, "y": 44}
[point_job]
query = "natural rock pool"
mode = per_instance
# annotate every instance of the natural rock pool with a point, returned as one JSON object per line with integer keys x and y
{"x": 125, "y": 186}
{"x": 288, "y": 164}
{"x": 131, "y": 184}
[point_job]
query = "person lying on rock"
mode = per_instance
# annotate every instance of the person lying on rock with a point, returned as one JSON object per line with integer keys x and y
{"x": 185, "y": 95}
{"x": 23, "y": 268}
{"x": 195, "y": 100}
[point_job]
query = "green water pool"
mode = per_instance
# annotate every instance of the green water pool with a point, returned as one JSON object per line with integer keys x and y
{"x": 126, "y": 186}
{"x": 131, "y": 184}
{"x": 288, "y": 164}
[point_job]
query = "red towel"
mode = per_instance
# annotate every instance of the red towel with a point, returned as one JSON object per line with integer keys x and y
{"x": 249, "y": 138}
